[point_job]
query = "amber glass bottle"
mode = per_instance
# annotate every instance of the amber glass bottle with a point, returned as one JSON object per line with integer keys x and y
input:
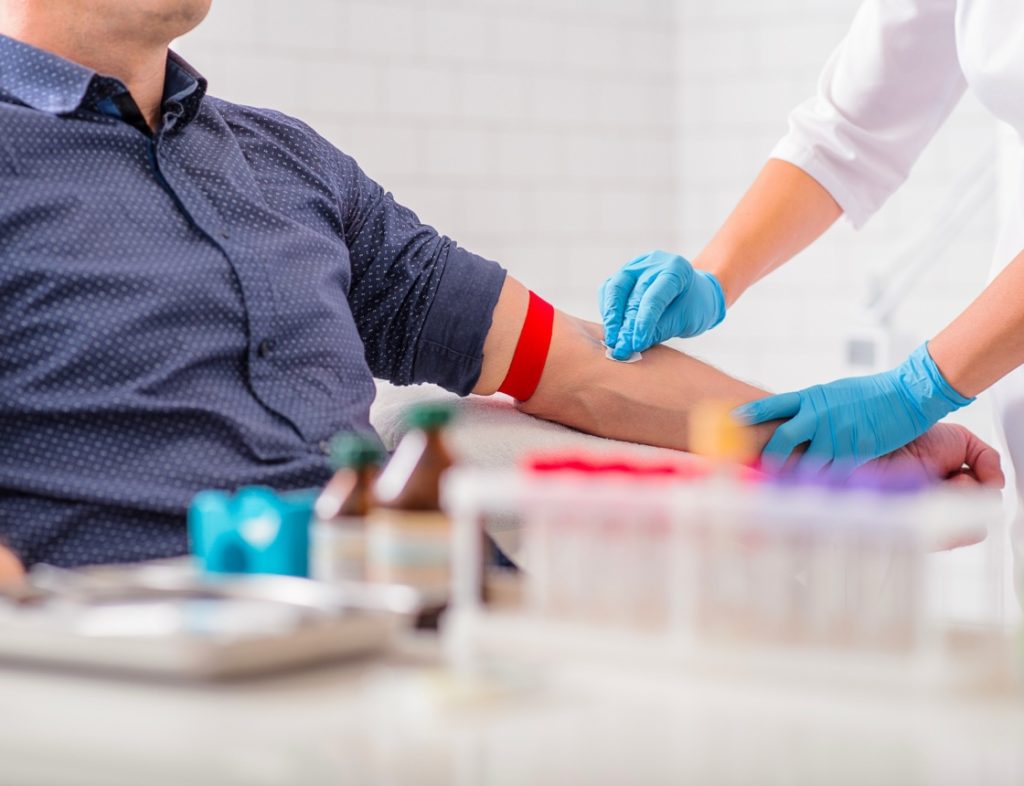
{"x": 342, "y": 510}
{"x": 410, "y": 538}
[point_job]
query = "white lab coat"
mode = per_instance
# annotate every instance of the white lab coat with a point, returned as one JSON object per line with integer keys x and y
{"x": 882, "y": 96}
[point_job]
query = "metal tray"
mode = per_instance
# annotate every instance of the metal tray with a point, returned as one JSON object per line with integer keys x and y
{"x": 166, "y": 620}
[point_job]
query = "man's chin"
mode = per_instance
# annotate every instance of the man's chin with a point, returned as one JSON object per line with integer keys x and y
{"x": 165, "y": 20}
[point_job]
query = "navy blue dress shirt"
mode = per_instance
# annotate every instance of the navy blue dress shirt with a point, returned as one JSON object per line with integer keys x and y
{"x": 197, "y": 308}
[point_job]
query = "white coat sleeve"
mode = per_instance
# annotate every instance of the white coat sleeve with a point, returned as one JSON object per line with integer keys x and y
{"x": 883, "y": 94}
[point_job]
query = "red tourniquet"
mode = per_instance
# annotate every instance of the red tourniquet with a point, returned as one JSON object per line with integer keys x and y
{"x": 531, "y": 352}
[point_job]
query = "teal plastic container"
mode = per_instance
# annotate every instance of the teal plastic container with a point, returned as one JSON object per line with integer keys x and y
{"x": 255, "y": 531}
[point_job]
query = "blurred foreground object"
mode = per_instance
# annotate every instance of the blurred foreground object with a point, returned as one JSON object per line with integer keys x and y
{"x": 716, "y": 434}
{"x": 255, "y": 531}
{"x": 171, "y": 620}
{"x": 409, "y": 538}
{"x": 692, "y": 569}
{"x": 12, "y": 572}
{"x": 338, "y": 537}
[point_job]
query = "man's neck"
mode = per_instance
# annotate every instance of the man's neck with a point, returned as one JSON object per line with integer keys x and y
{"x": 139, "y": 64}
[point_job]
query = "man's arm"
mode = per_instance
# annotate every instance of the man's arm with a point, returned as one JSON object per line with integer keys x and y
{"x": 645, "y": 402}
{"x": 649, "y": 402}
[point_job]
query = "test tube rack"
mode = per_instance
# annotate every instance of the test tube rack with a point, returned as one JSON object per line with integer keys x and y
{"x": 712, "y": 572}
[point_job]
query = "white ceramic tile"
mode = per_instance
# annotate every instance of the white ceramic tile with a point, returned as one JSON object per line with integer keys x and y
{"x": 494, "y": 97}
{"x": 420, "y": 91}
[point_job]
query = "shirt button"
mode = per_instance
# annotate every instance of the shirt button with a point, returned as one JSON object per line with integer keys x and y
{"x": 325, "y": 447}
{"x": 264, "y": 349}
{"x": 223, "y": 234}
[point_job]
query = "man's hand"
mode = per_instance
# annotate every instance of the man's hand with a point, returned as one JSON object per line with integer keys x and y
{"x": 952, "y": 453}
{"x": 11, "y": 570}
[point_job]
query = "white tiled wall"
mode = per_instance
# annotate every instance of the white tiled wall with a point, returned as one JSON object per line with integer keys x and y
{"x": 562, "y": 137}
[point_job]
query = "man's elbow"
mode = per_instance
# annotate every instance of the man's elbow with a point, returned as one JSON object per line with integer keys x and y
{"x": 571, "y": 389}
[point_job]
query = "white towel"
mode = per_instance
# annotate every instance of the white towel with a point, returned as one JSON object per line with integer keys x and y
{"x": 489, "y": 432}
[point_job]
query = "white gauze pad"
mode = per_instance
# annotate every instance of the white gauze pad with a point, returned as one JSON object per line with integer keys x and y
{"x": 636, "y": 356}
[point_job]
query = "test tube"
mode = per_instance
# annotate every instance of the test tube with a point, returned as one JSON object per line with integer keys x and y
{"x": 686, "y": 536}
{"x": 891, "y": 506}
{"x": 649, "y": 566}
{"x": 829, "y": 564}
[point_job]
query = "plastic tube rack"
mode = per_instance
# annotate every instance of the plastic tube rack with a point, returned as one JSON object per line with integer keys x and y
{"x": 677, "y": 566}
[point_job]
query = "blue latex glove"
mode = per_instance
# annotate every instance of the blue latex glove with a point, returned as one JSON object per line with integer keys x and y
{"x": 851, "y": 421}
{"x": 656, "y": 297}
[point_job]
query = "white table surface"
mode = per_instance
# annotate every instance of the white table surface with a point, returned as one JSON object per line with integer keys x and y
{"x": 403, "y": 721}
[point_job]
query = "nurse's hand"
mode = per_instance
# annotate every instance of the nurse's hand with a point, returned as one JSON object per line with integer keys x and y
{"x": 851, "y": 421}
{"x": 656, "y": 297}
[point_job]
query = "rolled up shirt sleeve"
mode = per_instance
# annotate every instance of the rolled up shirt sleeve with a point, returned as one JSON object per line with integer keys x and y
{"x": 883, "y": 94}
{"x": 422, "y": 305}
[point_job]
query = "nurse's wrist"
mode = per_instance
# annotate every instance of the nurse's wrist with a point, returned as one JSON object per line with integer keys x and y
{"x": 724, "y": 275}
{"x": 717, "y": 297}
{"x": 954, "y": 366}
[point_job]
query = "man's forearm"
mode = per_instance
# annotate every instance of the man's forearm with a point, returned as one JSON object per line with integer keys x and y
{"x": 647, "y": 402}
{"x": 782, "y": 213}
{"x": 650, "y": 402}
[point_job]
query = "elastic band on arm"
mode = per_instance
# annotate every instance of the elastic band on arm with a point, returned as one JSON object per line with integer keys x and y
{"x": 531, "y": 352}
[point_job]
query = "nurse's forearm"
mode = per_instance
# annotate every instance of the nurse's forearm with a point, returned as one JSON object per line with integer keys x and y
{"x": 782, "y": 213}
{"x": 986, "y": 342}
{"x": 647, "y": 402}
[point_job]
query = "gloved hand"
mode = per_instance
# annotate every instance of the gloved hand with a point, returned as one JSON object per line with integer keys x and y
{"x": 656, "y": 297}
{"x": 851, "y": 421}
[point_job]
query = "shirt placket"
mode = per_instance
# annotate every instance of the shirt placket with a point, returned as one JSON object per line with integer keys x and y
{"x": 250, "y": 272}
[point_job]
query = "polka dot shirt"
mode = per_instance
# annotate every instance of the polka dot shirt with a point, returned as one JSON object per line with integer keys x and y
{"x": 198, "y": 308}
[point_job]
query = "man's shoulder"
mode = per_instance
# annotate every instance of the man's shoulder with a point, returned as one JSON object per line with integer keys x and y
{"x": 270, "y": 125}
{"x": 258, "y": 117}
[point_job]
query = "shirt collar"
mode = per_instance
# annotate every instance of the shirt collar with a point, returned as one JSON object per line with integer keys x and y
{"x": 49, "y": 83}
{"x": 40, "y": 79}
{"x": 183, "y": 84}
